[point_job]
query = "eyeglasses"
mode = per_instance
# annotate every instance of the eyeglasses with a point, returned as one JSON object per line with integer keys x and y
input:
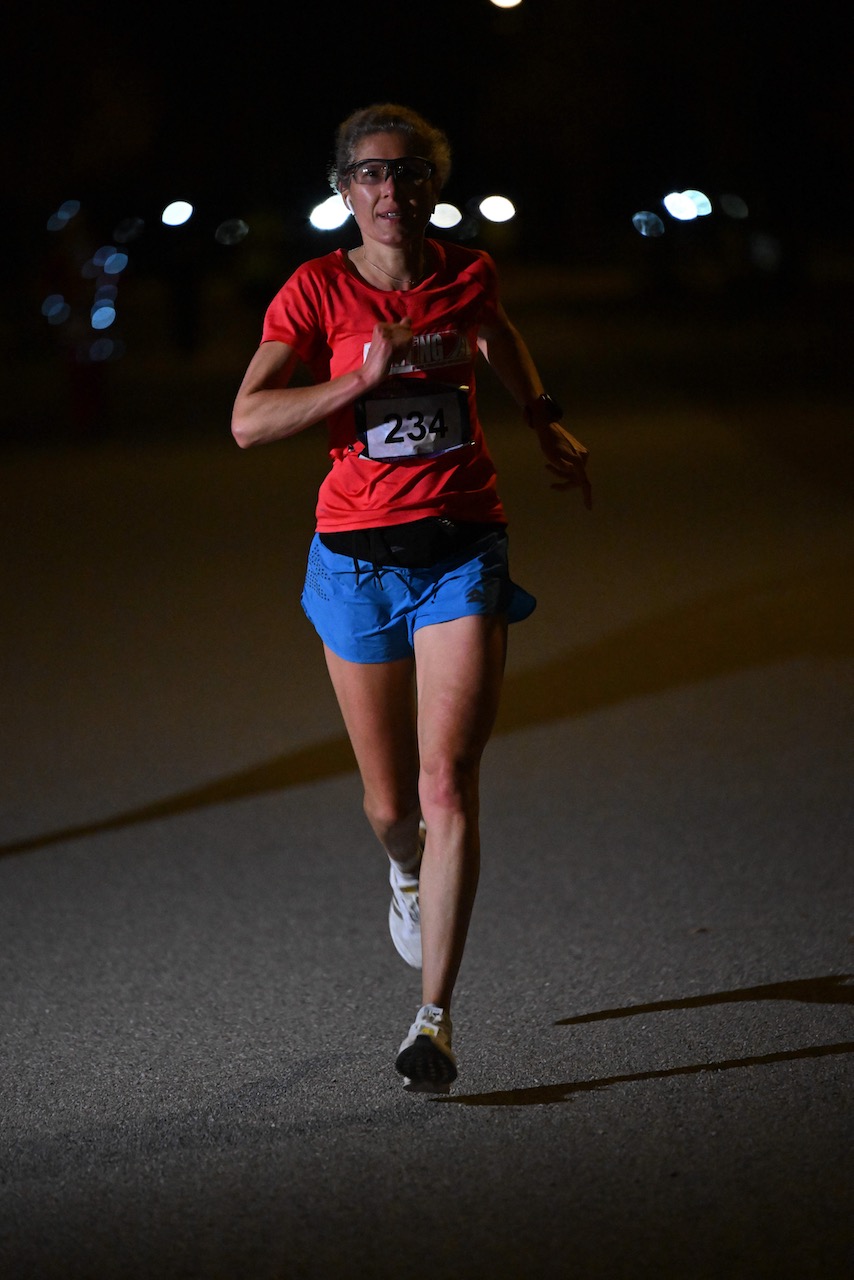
{"x": 410, "y": 171}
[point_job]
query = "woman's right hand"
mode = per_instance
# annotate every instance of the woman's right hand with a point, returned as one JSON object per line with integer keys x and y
{"x": 390, "y": 344}
{"x": 267, "y": 408}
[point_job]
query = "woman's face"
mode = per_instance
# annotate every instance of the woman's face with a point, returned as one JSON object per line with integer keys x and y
{"x": 392, "y": 211}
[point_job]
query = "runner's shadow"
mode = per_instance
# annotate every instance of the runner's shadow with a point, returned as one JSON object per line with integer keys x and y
{"x": 298, "y": 768}
{"x": 547, "y": 1094}
{"x": 835, "y": 988}
{"x": 747, "y": 625}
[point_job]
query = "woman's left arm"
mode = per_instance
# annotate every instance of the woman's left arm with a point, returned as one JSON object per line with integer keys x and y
{"x": 505, "y": 349}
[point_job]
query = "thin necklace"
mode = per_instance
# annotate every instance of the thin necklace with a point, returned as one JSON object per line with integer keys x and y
{"x": 397, "y": 279}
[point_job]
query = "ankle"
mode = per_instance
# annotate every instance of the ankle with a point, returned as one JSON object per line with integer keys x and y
{"x": 410, "y": 868}
{"x": 411, "y": 865}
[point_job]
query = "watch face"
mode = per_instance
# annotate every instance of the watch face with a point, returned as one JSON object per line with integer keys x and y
{"x": 552, "y": 405}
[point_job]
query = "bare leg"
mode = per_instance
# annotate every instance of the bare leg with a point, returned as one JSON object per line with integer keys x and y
{"x": 460, "y": 668}
{"x": 377, "y": 701}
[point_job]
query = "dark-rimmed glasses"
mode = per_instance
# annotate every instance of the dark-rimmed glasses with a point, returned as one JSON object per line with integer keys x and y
{"x": 409, "y": 171}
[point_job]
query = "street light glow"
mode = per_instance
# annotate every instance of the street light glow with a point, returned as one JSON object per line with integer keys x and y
{"x": 176, "y": 213}
{"x": 733, "y": 206}
{"x": 446, "y": 215}
{"x": 648, "y": 224}
{"x": 701, "y": 201}
{"x": 329, "y": 214}
{"x": 497, "y": 209}
{"x": 680, "y": 206}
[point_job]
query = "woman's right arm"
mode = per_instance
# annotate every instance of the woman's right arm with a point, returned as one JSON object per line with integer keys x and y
{"x": 266, "y": 408}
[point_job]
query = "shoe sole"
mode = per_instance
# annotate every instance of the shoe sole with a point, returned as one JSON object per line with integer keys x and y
{"x": 425, "y": 1068}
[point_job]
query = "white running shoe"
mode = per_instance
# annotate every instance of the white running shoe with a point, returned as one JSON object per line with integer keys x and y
{"x": 404, "y": 913}
{"x": 425, "y": 1059}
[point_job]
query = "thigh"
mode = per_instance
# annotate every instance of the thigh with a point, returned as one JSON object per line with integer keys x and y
{"x": 377, "y": 701}
{"x": 459, "y": 673}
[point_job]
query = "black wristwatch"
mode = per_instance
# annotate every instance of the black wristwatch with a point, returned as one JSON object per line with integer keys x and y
{"x": 552, "y": 412}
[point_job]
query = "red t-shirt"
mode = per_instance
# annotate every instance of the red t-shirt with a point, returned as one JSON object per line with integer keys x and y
{"x": 326, "y": 313}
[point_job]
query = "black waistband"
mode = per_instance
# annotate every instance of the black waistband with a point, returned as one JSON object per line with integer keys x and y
{"x": 415, "y": 545}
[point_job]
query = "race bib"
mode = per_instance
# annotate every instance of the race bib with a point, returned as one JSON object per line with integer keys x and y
{"x": 412, "y": 418}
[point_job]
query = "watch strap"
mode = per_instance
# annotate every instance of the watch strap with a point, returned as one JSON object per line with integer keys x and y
{"x": 542, "y": 409}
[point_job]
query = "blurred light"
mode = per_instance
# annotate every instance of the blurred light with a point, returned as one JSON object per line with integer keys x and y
{"x": 55, "y": 309}
{"x": 506, "y": 4}
{"x": 446, "y": 215}
{"x": 231, "y": 232}
{"x": 680, "y": 206}
{"x": 106, "y": 293}
{"x": 701, "y": 202}
{"x": 128, "y": 229}
{"x": 63, "y": 215}
{"x": 114, "y": 262}
{"x": 52, "y": 303}
{"x": 102, "y": 315}
{"x": 497, "y": 209}
{"x": 468, "y": 229}
{"x": 329, "y": 215}
{"x": 176, "y": 213}
{"x": 648, "y": 224}
{"x": 101, "y": 350}
{"x": 106, "y": 348}
{"x": 734, "y": 206}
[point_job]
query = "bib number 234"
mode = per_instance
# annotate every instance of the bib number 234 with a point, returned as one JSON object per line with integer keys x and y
{"x": 413, "y": 417}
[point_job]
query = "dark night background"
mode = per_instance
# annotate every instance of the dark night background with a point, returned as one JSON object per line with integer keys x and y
{"x": 201, "y": 1005}
{"x": 583, "y": 115}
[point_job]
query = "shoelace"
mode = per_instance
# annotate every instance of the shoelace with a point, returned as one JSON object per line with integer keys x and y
{"x": 434, "y": 1019}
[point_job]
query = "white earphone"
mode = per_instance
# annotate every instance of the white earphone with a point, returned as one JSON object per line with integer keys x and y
{"x": 349, "y": 203}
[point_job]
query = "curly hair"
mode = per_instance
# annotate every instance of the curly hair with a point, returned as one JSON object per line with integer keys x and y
{"x": 389, "y": 117}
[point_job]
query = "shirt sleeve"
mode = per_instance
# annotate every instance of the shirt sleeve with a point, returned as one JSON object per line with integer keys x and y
{"x": 295, "y": 317}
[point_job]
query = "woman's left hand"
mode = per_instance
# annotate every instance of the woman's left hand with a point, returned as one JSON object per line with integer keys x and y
{"x": 567, "y": 458}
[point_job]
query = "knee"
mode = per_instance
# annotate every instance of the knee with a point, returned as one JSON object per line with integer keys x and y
{"x": 387, "y": 814}
{"x": 449, "y": 784}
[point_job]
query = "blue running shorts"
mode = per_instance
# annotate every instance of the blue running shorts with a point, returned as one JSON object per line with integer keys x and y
{"x": 370, "y": 613}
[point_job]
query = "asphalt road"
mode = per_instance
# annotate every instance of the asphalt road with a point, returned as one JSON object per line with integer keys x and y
{"x": 200, "y": 1001}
